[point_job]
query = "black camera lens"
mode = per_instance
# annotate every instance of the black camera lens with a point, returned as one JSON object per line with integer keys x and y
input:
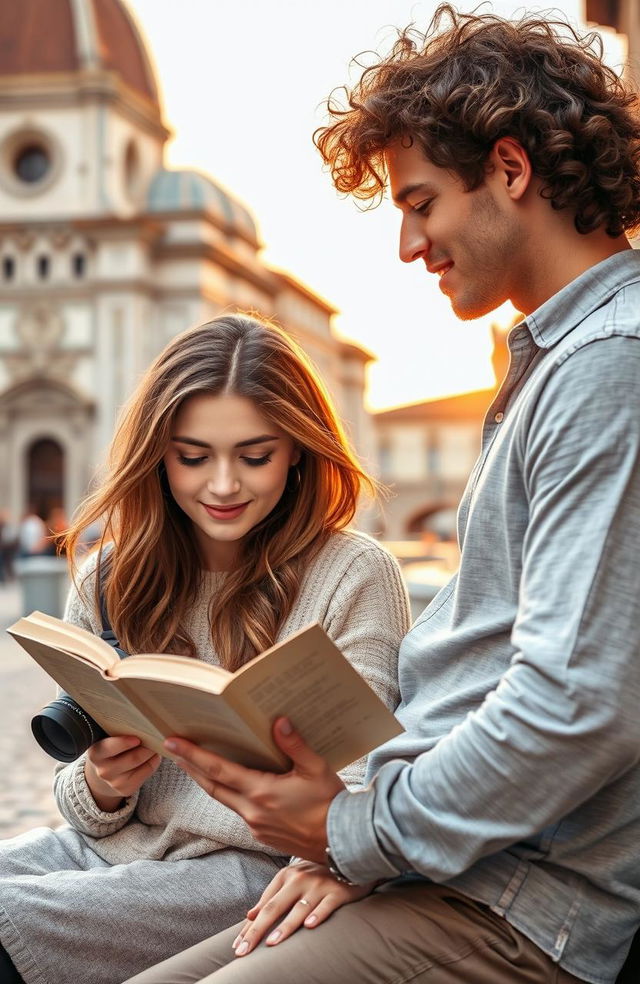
{"x": 64, "y": 730}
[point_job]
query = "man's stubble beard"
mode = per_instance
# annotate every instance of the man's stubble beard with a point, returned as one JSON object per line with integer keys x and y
{"x": 490, "y": 258}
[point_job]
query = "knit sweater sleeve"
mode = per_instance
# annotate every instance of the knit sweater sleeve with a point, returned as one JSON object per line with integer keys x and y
{"x": 72, "y": 794}
{"x": 367, "y": 618}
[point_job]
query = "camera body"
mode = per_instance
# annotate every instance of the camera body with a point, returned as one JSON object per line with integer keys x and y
{"x": 64, "y": 730}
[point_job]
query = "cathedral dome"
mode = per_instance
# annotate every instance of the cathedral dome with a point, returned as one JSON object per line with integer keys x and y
{"x": 188, "y": 191}
{"x": 41, "y": 38}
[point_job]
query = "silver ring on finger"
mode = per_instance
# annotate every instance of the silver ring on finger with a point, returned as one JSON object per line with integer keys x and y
{"x": 303, "y": 902}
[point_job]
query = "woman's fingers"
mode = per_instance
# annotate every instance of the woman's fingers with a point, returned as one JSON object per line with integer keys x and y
{"x": 126, "y": 763}
{"x": 109, "y": 748}
{"x": 275, "y": 885}
{"x": 305, "y": 894}
{"x": 307, "y": 902}
{"x": 323, "y": 909}
{"x": 263, "y": 924}
{"x": 304, "y": 912}
{"x": 278, "y": 899}
{"x": 127, "y": 783}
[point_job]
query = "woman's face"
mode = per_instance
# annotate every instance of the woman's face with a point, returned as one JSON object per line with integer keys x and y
{"x": 227, "y": 468}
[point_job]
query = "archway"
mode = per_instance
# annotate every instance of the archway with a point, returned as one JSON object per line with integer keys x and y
{"x": 45, "y": 476}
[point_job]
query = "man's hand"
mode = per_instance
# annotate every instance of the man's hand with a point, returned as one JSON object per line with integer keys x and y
{"x": 116, "y": 768}
{"x": 306, "y": 893}
{"x": 288, "y": 812}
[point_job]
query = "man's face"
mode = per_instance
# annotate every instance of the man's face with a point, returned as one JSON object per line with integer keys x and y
{"x": 470, "y": 239}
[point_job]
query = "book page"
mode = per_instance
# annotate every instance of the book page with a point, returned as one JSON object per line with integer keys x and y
{"x": 204, "y": 718}
{"x": 182, "y": 670}
{"x": 100, "y": 698}
{"x": 308, "y": 680}
{"x": 71, "y": 638}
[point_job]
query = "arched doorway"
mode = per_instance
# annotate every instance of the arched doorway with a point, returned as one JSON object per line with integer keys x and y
{"x": 45, "y": 476}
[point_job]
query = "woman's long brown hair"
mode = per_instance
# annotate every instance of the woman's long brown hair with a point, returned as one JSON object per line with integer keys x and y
{"x": 154, "y": 569}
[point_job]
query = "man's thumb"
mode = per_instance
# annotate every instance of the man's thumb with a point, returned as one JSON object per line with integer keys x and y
{"x": 290, "y": 742}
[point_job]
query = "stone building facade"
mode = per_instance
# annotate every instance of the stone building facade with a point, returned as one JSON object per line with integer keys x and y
{"x": 106, "y": 253}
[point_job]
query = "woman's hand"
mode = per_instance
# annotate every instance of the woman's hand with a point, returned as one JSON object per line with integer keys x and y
{"x": 306, "y": 892}
{"x": 116, "y": 768}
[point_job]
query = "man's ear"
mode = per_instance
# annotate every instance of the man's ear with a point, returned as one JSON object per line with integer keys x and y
{"x": 511, "y": 165}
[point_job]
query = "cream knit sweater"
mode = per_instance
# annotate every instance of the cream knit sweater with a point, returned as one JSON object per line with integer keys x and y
{"x": 355, "y": 590}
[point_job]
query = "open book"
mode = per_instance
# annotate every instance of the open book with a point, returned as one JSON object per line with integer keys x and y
{"x": 305, "y": 678}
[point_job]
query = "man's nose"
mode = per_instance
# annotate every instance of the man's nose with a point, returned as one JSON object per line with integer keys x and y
{"x": 414, "y": 243}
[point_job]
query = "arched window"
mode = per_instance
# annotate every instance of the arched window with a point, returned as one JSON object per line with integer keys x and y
{"x": 78, "y": 265}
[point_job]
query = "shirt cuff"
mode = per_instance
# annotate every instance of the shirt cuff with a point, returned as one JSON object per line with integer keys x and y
{"x": 352, "y": 838}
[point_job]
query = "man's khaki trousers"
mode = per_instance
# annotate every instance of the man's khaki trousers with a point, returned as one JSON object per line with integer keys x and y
{"x": 425, "y": 934}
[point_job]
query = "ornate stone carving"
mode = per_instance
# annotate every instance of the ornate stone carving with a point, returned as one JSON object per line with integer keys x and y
{"x": 39, "y": 329}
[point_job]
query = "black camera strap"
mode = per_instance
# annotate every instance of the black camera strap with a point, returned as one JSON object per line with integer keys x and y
{"x": 107, "y": 633}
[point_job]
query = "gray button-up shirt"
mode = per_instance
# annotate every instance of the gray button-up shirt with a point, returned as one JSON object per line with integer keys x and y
{"x": 517, "y": 779}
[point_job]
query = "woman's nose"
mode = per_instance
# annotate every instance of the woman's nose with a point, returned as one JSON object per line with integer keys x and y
{"x": 223, "y": 481}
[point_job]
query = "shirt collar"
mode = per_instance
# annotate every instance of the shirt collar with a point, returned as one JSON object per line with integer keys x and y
{"x": 596, "y": 286}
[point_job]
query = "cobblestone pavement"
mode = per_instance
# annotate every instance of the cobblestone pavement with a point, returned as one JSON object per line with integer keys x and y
{"x": 25, "y": 770}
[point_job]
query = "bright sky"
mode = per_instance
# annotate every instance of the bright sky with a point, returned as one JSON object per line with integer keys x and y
{"x": 243, "y": 83}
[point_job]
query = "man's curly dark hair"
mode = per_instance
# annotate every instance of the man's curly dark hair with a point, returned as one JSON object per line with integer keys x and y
{"x": 471, "y": 79}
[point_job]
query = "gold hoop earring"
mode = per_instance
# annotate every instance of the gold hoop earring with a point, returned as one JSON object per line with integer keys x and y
{"x": 293, "y": 484}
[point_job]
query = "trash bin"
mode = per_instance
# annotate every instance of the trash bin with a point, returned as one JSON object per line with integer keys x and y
{"x": 44, "y": 582}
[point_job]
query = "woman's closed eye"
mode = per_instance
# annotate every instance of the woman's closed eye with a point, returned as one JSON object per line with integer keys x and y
{"x": 198, "y": 460}
{"x": 256, "y": 462}
{"x": 184, "y": 460}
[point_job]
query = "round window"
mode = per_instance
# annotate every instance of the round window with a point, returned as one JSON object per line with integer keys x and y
{"x": 31, "y": 160}
{"x": 31, "y": 163}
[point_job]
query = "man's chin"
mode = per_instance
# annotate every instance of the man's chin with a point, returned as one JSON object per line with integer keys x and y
{"x": 471, "y": 309}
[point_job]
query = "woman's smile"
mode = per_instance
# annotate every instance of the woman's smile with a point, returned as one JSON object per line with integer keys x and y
{"x": 225, "y": 512}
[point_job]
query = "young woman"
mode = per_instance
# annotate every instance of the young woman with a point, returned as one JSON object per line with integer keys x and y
{"x": 225, "y": 508}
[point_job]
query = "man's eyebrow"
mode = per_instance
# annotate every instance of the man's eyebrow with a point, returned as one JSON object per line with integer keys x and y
{"x": 421, "y": 186}
{"x": 261, "y": 439}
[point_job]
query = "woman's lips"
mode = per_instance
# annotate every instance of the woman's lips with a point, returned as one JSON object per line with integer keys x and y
{"x": 225, "y": 512}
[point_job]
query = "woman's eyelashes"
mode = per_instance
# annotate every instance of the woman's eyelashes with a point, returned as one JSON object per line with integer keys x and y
{"x": 256, "y": 462}
{"x": 191, "y": 461}
{"x": 252, "y": 462}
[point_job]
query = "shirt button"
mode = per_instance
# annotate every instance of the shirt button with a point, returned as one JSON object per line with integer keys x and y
{"x": 499, "y": 417}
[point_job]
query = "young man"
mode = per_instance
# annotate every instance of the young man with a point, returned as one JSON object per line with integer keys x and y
{"x": 499, "y": 838}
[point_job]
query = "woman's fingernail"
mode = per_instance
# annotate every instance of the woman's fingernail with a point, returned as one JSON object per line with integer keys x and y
{"x": 311, "y": 920}
{"x": 171, "y": 746}
{"x": 274, "y": 937}
{"x": 286, "y": 728}
{"x": 236, "y": 941}
{"x": 242, "y": 949}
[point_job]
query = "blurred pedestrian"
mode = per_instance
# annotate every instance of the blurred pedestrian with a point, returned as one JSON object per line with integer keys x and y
{"x": 32, "y": 533}
{"x": 8, "y": 545}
